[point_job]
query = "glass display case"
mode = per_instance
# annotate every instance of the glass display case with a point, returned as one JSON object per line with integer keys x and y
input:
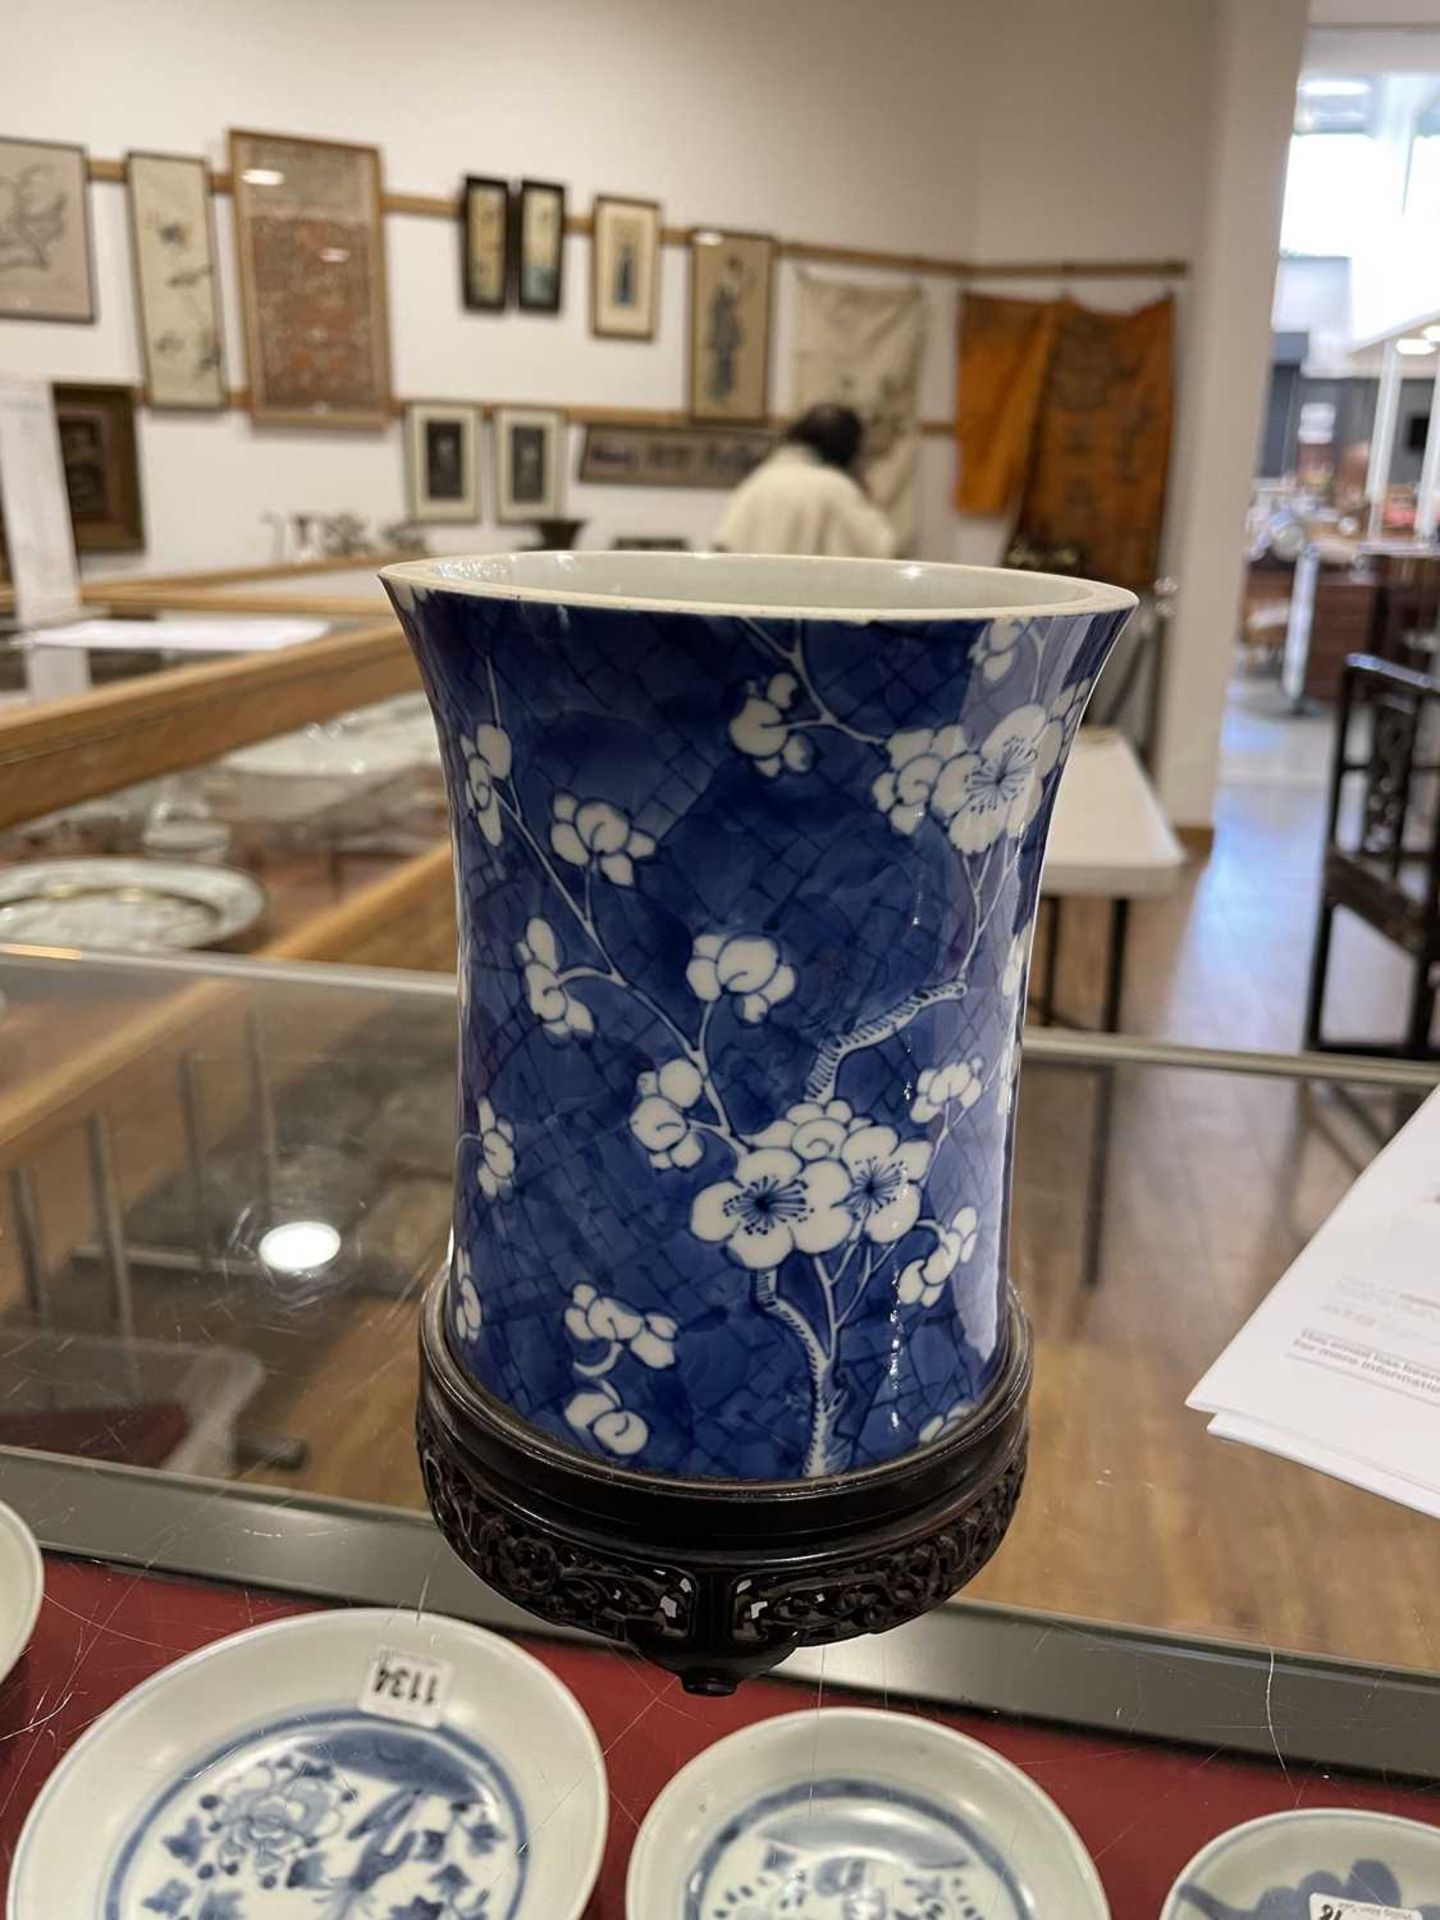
{"x": 226, "y": 1185}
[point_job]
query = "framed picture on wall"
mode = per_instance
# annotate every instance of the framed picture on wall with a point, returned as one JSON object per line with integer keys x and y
{"x": 529, "y": 464}
{"x": 625, "y": 268}
{"x": 441, "y": 463}
{"x": 102, "y": 468}
{"x": 46, "y": 266}
{"x": 485, "y": 243}
{"x": 310, "y": 234}
{"x": 730, "y": 285}
{"x": 540, "y": 245}
{"x": 172, "y": 238}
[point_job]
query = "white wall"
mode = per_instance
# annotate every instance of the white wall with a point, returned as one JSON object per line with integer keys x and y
{"x": 814, "y": 119}
{"x": 1256, "y": 62}
{"x": 1040, "y": 128}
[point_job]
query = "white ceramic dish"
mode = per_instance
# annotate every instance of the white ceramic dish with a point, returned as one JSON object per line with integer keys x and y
{"x": 1268, "y": 1869}
{"x": 22, "y": 1584}
{"x": 843, "y": 1812}
{"x": 135, "y": 906}
{"x": 253, "y": 1769}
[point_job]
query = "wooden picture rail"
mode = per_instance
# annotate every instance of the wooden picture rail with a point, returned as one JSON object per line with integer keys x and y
{"x": 426, "y": 206}
{"x": 64, "y": 751}
{"x": 238, "y": 398}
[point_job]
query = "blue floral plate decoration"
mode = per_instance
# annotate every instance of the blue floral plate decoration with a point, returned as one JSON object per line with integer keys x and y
{"x": 1290, "y": 1865}
{"x": 850, "y": 1814}
{"x": 364, "y": 1764}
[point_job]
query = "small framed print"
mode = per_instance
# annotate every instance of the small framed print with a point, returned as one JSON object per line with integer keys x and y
{"x": 172, "y": 239}
{"x": 102, "y": 467}
{"x": 540, "y": 245}
{"x": 730, "y": 282}
{"x": 625, "y": 268}
{"x": 46, "y": 266}
{"x": 529, "y": 464}
{"x": 485, "y": 243}
{"x": 442, "y": 466}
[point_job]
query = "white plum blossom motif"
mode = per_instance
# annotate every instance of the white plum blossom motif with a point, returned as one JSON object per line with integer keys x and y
{"x": 594, "y": 1317}
{"x": 1015, "y": 960}
{"x": 923, "y": 1281}
{"x": 598, "y": 1411}
{"x": 994, "y": 651}
{"x": 814, "y": 1129}
{"x": 487, "y": 761}
{"x": 593, "y": 833}
{"x": 884, "y": 1175}
{"x": 937, "y": 1086}
{"x": 606, "y": 1330}
{"x": 943, "y": 1423}
{"x": 1068, "y": 708}
{"x": 1006, "y": 1078}
{"x": 496, "y": 1171}
{"x": 747, "y": 965}
{"x": 777, "y": 1204}
{"x": 917, "y": 761}
{"x": 557, "y": 1009}
{"x": 469, "y": 1314}
{"x": 660, "y": 1118}
{"x": 761, "y": 730}
{"x": 997, "y": 789}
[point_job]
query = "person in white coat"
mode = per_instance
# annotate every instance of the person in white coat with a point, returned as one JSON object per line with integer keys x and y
{"x": 805, "y": 498}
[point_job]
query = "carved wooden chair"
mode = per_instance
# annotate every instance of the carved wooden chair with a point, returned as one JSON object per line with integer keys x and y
{"x": 1382, "y": 851}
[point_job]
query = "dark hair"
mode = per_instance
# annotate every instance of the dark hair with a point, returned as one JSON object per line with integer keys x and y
{"x": 833, "y": 432}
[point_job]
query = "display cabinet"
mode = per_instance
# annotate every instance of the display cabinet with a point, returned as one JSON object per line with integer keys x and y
{"x": 305, "y": 776}
{"x": 225, "y": 1185}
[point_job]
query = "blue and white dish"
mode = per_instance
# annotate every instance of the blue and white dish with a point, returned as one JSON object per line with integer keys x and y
{"x": 259, "y": 1780}
{"x": 22, "y": 1586}
{"x": 1274, "y": 1869}
{"x": 849, "y": 1814}
{"x": 747, "y": 856}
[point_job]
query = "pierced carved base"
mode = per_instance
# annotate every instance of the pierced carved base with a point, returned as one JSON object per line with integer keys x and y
{"x": 715, "y": 1580}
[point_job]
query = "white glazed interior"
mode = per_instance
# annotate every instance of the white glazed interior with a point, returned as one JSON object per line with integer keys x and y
{"x": 22, "y": 1582}
{"x": 1056, "y": 1875}
{"x": 501, "y": 1697}
{"x": 758, "y": 586}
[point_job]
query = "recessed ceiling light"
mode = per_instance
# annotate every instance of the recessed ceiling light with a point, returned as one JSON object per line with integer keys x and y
{"x": 335, "y": 256}
{"x": 263, "y": 177}
{"x": 1414, "y": 344}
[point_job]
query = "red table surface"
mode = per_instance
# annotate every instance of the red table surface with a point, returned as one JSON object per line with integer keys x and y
{"x": 1142, "y": 1809}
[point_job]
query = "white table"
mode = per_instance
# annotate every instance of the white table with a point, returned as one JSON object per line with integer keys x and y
{"x": 1109, "y": 840}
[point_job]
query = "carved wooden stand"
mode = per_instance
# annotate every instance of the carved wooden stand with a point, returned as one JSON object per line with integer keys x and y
{"x": 716, "y": 1580}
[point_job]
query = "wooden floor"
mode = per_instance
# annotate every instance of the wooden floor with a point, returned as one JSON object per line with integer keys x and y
{"x": 1132, "y": 1513}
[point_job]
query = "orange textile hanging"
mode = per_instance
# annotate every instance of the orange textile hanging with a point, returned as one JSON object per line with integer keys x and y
{"x": 1068, "y": 411}
{"x": 1005, "y": 348}
{"x": 1096, "y": 480}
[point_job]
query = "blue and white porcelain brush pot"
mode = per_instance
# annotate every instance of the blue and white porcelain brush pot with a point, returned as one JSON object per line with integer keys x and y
{"x": 747, "y": 854}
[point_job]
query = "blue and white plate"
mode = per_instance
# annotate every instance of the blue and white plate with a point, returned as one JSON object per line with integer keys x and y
{"x": 359, "y": 1763}
{"x": 22, "y": 1582}
{"x": 1269, "y": 1869}
{"x": 846, "y": 1814}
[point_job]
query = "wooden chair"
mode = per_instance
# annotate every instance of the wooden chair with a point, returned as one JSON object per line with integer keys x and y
{"x": 1382, "y": 843}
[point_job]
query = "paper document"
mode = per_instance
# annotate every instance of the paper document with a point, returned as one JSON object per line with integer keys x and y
{"x": 1339, "y": 1367}
{"x": 36, "y": 506}
{"x": 221, "y": 635}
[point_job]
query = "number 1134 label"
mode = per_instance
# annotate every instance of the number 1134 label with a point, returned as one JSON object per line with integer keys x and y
{"x": 1333, "y": 1906}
